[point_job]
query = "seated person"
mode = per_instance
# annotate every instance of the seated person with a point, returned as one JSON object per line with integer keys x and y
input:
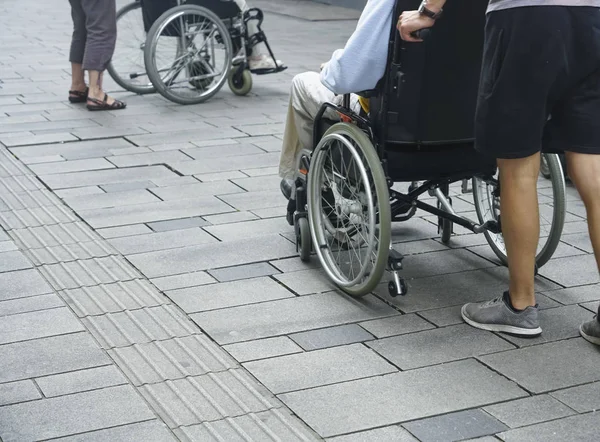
{"x": 357, "y": 67}
{"x": 259, "y": 58}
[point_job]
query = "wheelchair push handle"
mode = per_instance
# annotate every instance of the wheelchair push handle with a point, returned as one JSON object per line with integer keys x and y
{"x": 422, "y": 34}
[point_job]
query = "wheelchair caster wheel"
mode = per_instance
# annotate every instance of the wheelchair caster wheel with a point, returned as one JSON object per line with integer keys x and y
{"x": 303, "y": 239}
{"x": 446, "y": 227}
{"x": 397, "y": 290}
{"x": 240, "y": 83}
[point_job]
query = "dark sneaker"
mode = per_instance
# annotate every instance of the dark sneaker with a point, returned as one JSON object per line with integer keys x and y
{"x": 498, "y": 315}
{"x": 286, "y": 188}
{"x": 590, "y": 331}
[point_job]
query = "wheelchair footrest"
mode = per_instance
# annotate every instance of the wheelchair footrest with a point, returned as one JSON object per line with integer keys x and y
{"x": 268, "y": 71}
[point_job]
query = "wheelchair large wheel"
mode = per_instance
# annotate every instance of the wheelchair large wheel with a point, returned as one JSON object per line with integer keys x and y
{"x": 552, "y": 212}
{"x": 349, "y": 209}
{"x": 188, "y": 54}
{"x": 127, "y": 64}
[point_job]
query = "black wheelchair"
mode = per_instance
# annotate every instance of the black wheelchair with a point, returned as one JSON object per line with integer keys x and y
{"x": 418, "y": 137}
{"x": 186, "y": 49}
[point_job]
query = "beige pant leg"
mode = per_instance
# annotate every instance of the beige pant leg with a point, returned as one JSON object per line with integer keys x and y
{"x": 252, "y": 29}
{"x": 307, "y": 96}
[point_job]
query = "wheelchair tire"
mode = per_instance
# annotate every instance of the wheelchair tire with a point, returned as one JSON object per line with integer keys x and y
{"x": 173, "y": 33}
{"x": 130, "y": 46}
{"x": 544, "y": 169}
{"x": 240, "y": 87}
{"x": 352, "y": 246}
{"x": 303, "y": 240}
{"x": 487, "y": 206}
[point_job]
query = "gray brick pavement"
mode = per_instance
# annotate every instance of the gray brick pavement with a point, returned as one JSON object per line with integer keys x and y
{"x": 145, "y": 266}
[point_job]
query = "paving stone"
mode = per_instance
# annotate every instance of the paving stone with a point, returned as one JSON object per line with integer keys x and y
{"x": 183, "y": 281}
{"x": 255, "y": 200}
{"x": 149, "y": 159}
{"x": 72, "y": 414}
{"x": 444, "y": 317}
{"x": 572, "y": 271}
{"x": 152, "y": 212}
{"x": 219, "y": 176}
{"x": 8, "y": 246}
{"x": 529, "y": 411}
{"x": 577, "y": 428}
{"x": 187, "y": 191}
{"x": 22, "y": 284}
{"x": 13, "y": 260}
{"x": 87, "y": 273}
{"x": 171, "y": 359}
{"x": 71, "y": 166}
{"x": 286, "y": 316}
{"x": 40, "y": 324}
{"x": 592, "y": 306}
{"x": 399, "y": 397}
{"x": 274, "y": 212}
{"x": 183, "y": 136}
{"x": 275, "y": 424}
{"x": 386, "y": 434}
{"x": 210, "y": 397}
{"x": 455, "y": 426}
{"x": 449, "y": 290}
{"x": 582, "y": 399}
{"x": 138, "y": 326}
{"x": 79, "y": 191}
{"x": 580, "y": 240}
{"x": 124, "y": 187}
{"x": 99, "y": 177}
{"x": 129, "y": 245}
{"x": 331, "y": 337}
{"x": 256, "y": 184}
{"x": 317, "y": 368}
{"x": 243, "y": 272}
{"x": 59, "y": 353}
{"x": 226, "y": 164}
{"x": 204, "y": 257}
{"x": 153, "y": 430}
{"x": 30, "y": 304}
{"x": 15, "y": 392}
{"x": 177, "y": 224}
{"x": 576, "y": 295}
{"x": 548, "y": 367}
{"x": 557, "y": 323}
{"x": 249, "y": 229}
{"x": 227, "y": 218}
{"x": 54, "y": 235}
{"x": 28, "y": 140}
{"x": 228, "y": 294}
{"x": 307, "y": 281}
{"x": 293, "y": 264}
{"x": 396, "y": 325}
{"x": 82, "y": 380}
{"x": 70, "y": 252}
{"x": 113, "y": 199}
{"x": 263, "y": 349}
{"x": 73, "y": 151}
{"x": 460, "y": 341}
{"x": 117, "y": 232}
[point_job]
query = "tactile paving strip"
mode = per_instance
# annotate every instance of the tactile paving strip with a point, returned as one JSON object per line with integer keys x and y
{"x": 193, "y": 385}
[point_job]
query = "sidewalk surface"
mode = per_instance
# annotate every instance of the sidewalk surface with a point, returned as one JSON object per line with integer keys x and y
{"x": 149, "y": 289}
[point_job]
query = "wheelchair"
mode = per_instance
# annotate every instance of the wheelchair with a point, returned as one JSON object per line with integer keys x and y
{"x": 415, "y": 146}
{"x": 186, "y": 49}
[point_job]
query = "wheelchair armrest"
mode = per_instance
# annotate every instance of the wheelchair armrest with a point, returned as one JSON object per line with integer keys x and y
{"x": 367, "y": 94}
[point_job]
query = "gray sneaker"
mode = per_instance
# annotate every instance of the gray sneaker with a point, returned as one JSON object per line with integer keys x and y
{"x": 590, "y": 331}
{"x": 497, "y": 315}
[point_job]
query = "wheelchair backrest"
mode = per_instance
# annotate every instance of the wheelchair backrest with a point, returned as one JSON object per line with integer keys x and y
{"x": 429, "y": 92}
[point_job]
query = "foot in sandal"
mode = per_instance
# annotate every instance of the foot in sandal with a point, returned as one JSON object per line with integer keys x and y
{"x": 106, "y": 103}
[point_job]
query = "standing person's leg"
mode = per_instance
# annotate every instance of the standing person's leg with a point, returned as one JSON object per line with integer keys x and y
{"x": 101, "y": 25}
{"x": 78, "y": 91}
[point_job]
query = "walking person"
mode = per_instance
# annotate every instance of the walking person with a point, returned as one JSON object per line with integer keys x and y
{"x": 541, "y": 59}
{"x": 92, "y": 46}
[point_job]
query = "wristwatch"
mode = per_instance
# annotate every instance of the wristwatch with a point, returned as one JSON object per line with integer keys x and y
{"x": 429, "y": 13}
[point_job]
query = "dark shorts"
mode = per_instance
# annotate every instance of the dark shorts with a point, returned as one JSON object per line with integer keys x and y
{"x": 540, "y": 62}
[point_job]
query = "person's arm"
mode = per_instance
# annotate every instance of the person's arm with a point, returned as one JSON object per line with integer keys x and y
{"x": 361, "y": 64}
{"x": 411, "y": 21}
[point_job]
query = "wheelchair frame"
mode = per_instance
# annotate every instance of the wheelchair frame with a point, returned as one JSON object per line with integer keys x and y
{"x": 403, "y": 206}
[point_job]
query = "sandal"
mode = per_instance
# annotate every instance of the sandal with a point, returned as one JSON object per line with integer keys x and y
{"x": 101, "y": 105}
{"x": 78, "y": 96}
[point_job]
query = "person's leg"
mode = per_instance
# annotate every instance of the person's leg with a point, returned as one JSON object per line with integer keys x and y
{"x": 258, "y": 58}
{"x": 101, "y": 25}
{"x": 584, "y": 171}
{"x": 520, "y": 225}
{"x": 77, "y": 50}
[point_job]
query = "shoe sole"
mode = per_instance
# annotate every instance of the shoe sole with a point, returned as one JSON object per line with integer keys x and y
{"x": 510, "y": 329}
{"x": 592, "y": 339}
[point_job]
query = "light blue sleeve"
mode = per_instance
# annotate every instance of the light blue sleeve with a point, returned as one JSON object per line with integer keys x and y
{"x": 361, "y": 64}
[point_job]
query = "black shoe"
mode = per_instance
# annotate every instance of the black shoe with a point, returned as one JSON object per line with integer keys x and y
{"x": 286, "y": 188}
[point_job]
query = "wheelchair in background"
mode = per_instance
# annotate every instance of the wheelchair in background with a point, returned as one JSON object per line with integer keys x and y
{"x": 365, "y": 173}
{"x": 186, "y": 49}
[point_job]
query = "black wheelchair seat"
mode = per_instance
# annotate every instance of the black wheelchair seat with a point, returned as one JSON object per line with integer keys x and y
{"x": 153, "y": 9}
